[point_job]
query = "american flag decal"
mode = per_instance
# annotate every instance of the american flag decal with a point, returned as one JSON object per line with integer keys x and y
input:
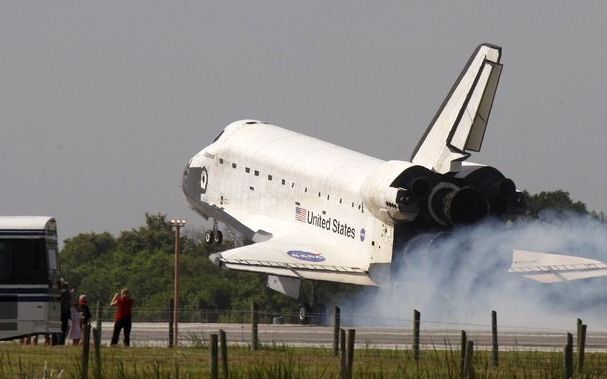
{"x": 300, "y": 214}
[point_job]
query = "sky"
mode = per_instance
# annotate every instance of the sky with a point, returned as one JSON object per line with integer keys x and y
{"x": 103, "y": 103}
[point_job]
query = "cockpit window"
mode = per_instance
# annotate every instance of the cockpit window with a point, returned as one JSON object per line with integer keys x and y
{"x": 216, "y": 138}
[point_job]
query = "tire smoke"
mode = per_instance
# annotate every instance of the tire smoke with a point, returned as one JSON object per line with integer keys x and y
{"x": 461, "y": 276}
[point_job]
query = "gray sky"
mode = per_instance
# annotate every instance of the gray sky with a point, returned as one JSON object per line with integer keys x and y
{"x": 102, "y": 103}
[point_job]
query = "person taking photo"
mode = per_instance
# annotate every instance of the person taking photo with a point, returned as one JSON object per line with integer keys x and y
{"x": 123, "y": 317}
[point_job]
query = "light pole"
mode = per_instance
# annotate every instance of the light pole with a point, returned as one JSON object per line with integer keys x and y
{"x": 177, "y": 225}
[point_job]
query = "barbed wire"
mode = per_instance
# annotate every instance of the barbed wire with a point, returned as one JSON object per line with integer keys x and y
{"x": 349, "y": 318}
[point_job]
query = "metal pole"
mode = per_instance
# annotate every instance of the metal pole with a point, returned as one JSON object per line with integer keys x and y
{"x": 176, "y": 294}
{"x": 171, "y": 322}
{"x": 177, "y": 225}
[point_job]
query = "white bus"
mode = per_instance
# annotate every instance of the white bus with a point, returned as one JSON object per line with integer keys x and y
{"x": 29, "y": 274}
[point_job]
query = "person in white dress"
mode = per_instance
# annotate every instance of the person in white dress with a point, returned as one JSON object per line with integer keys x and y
{"x": 75, "y": 332}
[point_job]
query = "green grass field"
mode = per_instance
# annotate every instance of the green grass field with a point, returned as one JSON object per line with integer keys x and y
{"x": 17, "y": 361}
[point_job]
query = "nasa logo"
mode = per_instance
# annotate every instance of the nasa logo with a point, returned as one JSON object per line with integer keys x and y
{"x": 306, "y": 256}
{"x": 204, "y": 180}
{"x": 362, "y": 234}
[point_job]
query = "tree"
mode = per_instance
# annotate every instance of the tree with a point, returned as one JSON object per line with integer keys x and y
{"x": 557, "y": 201}
{"x": 80, "y": 253}
{"x": 156, "y": 234}
{"x": 142, "y": 260}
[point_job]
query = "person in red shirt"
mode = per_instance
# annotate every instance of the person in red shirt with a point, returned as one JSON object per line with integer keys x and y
{"x": 124, "y": 306}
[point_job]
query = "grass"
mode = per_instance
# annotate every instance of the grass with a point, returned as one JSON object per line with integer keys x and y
{"x": 17, "y": 361}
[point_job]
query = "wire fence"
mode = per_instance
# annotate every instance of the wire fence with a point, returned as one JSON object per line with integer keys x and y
{"x": 373, "y": 332}
{"x": 406, "y": 341}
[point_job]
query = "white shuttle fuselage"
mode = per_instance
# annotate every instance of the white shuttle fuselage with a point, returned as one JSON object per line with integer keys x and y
{"x": 308, "y": 209}
{"x": 272, "y": 179}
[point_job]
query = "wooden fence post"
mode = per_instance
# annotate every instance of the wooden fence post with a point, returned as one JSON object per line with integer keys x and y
{"x": 350, "y": 354}
{"x": 568, "y": 358}
{"x": 581, "y": 348}
{"x": 97, "y": 349}
{"x": 494, "y": 344}
{"x": 416, "y": 324}
{"x": 578, "y": 330}
{"x": 213, "y": 351}
{"x": 254, "y": 321}
{"x": 468, "y": 368}
{"x": 171, "y": 322}
{"x": 342, "y": 348}
{"x": 336, "y": 327}
{"x": 224, "y": 353}
{"x": 98, "y": 315}
{"x": 97, "y": 340}
{"x": 84, "y": 359}
{"x": 462, "y": 353}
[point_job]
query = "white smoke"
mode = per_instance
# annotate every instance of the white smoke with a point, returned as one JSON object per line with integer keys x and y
{"x": 461, "y": 276}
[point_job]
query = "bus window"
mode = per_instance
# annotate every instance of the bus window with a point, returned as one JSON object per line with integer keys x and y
{"x": 6, "y": 261}
{"x": 52, "y": 259}
{"x": 25, "y": 262}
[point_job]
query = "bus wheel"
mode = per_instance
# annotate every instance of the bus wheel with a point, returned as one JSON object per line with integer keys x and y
{"x": 208, "y": 237}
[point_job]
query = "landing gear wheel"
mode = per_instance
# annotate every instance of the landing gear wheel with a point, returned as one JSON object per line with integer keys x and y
{"x": 208, "y": 237}
{"x": 218, "y": 237}
{"x": 303, "y": 314}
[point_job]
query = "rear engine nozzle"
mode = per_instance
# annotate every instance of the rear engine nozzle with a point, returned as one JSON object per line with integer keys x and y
{"x": 450, "y": 205}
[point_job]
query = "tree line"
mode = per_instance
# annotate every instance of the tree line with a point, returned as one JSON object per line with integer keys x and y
{"x": 100, "y": 264}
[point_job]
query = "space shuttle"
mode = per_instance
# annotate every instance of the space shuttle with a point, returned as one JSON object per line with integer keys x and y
{"x": 307, "y": 209}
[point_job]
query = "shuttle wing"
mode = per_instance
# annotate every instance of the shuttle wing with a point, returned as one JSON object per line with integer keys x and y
{"x": 460, "y": 123}
{"x": 553, "y": 268}
{"x": 300, "y": 254}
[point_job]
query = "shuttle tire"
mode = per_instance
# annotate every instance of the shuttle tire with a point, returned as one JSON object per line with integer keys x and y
{"x": 208, "y": 237}
{"x": 303, "y": 313}
{"x": 218, "y": 237}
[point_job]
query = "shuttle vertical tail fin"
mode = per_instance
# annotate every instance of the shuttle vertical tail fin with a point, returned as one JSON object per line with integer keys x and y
{"x": 460, "y": 123}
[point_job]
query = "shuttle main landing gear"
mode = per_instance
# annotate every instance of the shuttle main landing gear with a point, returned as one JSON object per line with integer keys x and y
{"x": 314, "y": 314}
{"x": 213, "y": 236}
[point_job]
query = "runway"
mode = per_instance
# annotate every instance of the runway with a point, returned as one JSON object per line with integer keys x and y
{"x": 197, "y": 334}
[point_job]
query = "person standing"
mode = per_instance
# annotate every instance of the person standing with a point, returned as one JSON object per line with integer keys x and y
{"x": 84, "y": 310}
{"x": 75, "y": 331}
{"x": 65, "y": 310}
{"x": 122, "y": 320}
